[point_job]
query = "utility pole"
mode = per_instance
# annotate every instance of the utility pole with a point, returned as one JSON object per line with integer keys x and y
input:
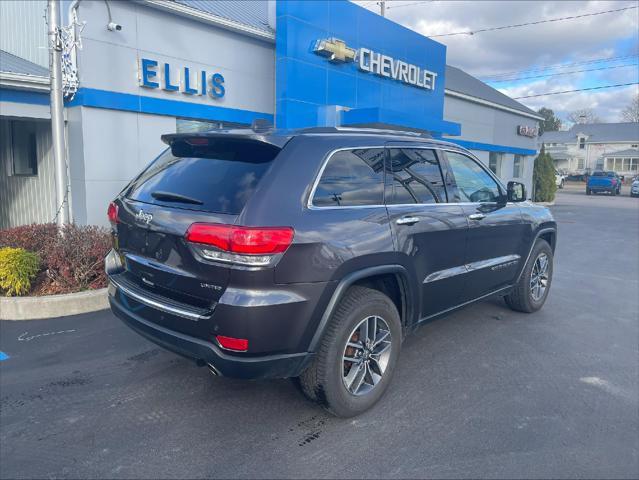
{"x": 57, "y": 113}
{"x": 382, "y": 7}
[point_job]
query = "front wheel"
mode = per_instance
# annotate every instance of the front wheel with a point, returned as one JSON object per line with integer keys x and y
{"x": 561, "y": 185}
{"x": 531, "y": 291}
{"x": 358, "y": 354}
{"x": 588, "y": 191}
{"x": 613, "y": 192}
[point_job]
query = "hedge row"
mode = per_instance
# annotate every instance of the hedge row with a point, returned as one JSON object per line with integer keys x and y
{"x": 70, "y": 261}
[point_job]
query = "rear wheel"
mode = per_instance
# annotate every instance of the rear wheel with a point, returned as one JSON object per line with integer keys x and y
{"x": 588, "y": 191}
{"x": 613, "y": 192}
{"x": 531, "y": 291}
{"x": 358, "y": 354}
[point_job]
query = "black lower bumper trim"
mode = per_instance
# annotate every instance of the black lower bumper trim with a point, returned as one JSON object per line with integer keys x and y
{"x": 272, "y": 366}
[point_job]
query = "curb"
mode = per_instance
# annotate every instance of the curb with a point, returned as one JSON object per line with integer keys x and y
{"x": 545, "y": 204}
{"x": 53, "y": 306}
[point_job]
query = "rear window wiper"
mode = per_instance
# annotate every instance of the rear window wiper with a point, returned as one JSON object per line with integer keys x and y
{"x": 175, "y": 197}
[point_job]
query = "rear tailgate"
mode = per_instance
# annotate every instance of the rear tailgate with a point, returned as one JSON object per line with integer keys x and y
{"x": 200, "y": 179}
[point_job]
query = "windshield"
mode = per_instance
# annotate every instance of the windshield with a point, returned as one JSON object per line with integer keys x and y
{"x": 218, "y": 177}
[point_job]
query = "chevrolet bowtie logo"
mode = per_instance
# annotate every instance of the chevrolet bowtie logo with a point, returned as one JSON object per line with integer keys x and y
{"x": 336, "y": 50}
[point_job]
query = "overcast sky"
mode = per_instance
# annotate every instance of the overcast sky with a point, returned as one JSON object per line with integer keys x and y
{"x": 490, "y": 54}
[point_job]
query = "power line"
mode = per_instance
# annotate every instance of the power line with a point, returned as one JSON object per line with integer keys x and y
{"x": 503, "y": 27}
{"x": 410, "y": 4}
{"x": 561, "y": 73}
{"x": 555, "y": 66}
{"x": 578, "y": 90}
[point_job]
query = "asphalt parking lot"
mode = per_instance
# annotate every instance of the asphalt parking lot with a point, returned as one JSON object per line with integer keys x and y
{"x": 485, "y": 392}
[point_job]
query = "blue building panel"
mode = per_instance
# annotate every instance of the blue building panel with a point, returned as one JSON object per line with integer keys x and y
{"x": 376, "y": 67}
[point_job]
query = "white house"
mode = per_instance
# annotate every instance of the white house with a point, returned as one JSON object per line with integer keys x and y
{"x": 595, "y": 146}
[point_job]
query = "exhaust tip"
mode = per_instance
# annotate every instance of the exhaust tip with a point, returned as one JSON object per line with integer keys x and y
{"x": 214, "y": 370}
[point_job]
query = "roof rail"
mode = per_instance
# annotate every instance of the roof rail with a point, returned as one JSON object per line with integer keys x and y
{"x": 366, "y": 130}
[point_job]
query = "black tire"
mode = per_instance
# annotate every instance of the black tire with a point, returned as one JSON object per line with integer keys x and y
{"x": 588, "y": 191}
{"x": 521, "y": 298}
{"x": 323, "y": 380}
{"x": 613, "y": 192}
{"x": 561, "y": 185}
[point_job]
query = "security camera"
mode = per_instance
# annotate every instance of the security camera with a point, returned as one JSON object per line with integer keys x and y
{"x": 112, "y": 26}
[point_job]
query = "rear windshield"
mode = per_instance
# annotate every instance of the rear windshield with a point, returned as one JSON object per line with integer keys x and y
{"x": 216, "y": 176}
{"x": 598, "y": 174}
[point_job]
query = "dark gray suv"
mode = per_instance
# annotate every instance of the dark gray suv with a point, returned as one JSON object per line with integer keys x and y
{"x": 311, "y": 254}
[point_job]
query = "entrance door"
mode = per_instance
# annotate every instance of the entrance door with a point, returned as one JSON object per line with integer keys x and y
{"x": 496, "y": 229}
{"x": 430, "y": 231}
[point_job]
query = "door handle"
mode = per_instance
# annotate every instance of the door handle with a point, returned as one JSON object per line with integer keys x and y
{"x": 407, "y": 220}
{"x": 476, "y": 216}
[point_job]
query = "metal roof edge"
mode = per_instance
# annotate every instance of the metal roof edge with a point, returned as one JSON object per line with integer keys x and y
{"x": 185, "y": 11}
{"x": 481, "y": 101}
{"x": 24, "y": 82}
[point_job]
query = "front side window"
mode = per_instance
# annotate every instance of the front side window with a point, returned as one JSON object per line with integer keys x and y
{"x": 474, "y": 184}
{"x": 414, "y": 177}
{"x": 518, "y": 166}
{"x": 352, "y": 178}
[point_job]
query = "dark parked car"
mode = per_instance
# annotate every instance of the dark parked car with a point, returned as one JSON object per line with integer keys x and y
{"x": 312, "y": 254}
{"x": 601, "y": 181}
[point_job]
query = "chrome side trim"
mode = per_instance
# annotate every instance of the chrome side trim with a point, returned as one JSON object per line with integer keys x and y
{"x": 460, "y": 150}
{"x": 157, "y": 305}
{"x": 493, "y": 263}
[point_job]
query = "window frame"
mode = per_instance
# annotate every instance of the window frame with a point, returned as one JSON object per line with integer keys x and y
{"x": 11, "y": 137}
{"x": 441, "y": 152}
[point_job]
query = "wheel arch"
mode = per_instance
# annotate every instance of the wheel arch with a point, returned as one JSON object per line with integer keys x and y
{"x": 376, "y": 277}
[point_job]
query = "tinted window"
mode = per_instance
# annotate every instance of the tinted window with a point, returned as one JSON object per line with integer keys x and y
{"x": 217, "y": 177}
{"x": 474, "y": 184}
{"x": 599, "y": 174}
{"x": 415, "y": 177}
{"x": 352, "y": 177}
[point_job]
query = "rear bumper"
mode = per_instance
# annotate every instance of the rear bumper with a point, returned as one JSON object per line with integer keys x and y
{"x": 268, "y": 366}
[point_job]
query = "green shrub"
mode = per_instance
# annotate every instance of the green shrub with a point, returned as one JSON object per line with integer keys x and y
{"x": 17, "y": 268}
{"x": 544, "y": 178}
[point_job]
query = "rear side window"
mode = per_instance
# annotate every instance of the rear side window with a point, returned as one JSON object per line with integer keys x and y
{"x": 216, "y": 175}
{"x": 415, "y": 177}
{"x": 352, "y": 178}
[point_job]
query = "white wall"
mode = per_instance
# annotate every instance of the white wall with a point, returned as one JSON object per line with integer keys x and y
{"x": 109, "y": 147}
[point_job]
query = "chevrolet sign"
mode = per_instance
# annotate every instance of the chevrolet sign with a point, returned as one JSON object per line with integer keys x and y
{"x": 373, "y": 62}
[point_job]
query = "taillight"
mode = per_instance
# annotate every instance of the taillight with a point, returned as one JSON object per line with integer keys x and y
{"x": 254, "y": 246}
{"x": 112, "y": 213}
{"x": 230, "y": 343}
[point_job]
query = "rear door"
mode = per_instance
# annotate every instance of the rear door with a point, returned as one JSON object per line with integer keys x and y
{"x": 428, "y": 229}
{"x": 197, "y": 180}
{"x": 496, "y": 231}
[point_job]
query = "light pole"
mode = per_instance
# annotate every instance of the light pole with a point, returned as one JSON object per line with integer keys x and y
{"x": 57, "y": 114}
{"x": 382, "y": 7}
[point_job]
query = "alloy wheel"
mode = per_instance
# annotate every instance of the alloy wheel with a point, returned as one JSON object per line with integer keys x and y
{"x": 539, "y": 277}
{"x": 366, "y": 355}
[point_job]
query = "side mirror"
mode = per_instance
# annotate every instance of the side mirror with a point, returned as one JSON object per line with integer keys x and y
{"x": 516, "y": 192}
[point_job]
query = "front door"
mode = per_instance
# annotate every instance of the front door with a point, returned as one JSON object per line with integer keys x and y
{"x": 426, "y": 228}
{"x": 494, "y": 247}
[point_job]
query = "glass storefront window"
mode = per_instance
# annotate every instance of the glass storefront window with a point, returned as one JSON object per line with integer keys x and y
{"x": 494, "y": 162}
{"x": 518, "y": 166}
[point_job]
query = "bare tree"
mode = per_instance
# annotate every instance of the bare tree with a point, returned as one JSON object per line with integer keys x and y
{"x": 631, "y": 112}
{"x": 583, "y": 115}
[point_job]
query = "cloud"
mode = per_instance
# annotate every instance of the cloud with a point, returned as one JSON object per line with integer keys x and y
{"x": 511, "y": 50}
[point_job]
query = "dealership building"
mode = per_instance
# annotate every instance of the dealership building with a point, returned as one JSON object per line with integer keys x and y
{"x": 182, "y": 66}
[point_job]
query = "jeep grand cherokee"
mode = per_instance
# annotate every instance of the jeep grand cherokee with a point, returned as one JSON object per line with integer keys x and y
{"x": 311, "y": 254}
